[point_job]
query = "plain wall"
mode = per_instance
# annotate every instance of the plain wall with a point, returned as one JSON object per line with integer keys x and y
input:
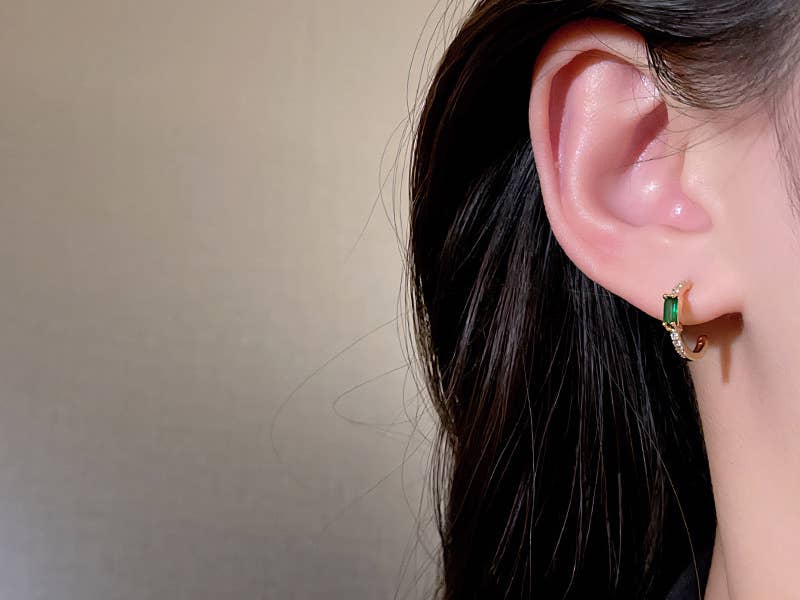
{"x": 181, "y": 186}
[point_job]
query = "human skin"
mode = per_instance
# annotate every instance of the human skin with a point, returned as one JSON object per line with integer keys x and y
{"x": 643, "y": 192}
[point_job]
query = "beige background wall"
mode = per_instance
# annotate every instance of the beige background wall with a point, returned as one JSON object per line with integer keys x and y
{"x": 180, "y": 185}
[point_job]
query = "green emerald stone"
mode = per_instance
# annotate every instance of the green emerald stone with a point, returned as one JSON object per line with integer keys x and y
{"x": 670, "y": 310}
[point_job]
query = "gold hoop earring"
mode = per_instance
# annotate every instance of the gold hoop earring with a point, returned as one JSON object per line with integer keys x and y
{"x": 673, "y": 303}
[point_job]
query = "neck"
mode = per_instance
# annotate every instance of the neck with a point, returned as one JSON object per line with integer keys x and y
{"x": 746, "y": 392}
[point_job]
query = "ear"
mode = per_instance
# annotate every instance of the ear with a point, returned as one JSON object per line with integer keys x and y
{"x": 623, "y": 201}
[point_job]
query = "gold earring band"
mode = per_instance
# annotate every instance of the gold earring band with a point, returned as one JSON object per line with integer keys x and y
{"x": 673, "y": 303}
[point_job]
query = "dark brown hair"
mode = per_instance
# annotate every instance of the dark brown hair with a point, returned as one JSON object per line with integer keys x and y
{"x": 571, "y": 460}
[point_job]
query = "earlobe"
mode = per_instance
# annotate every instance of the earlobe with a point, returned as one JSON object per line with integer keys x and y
{"x": 611, "y": 167}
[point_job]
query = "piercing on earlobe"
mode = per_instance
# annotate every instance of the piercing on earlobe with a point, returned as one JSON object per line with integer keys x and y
{"x": 673, "y": 303}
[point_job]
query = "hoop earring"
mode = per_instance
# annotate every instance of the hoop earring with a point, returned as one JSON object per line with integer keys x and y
{"x": 673, "y": 303}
